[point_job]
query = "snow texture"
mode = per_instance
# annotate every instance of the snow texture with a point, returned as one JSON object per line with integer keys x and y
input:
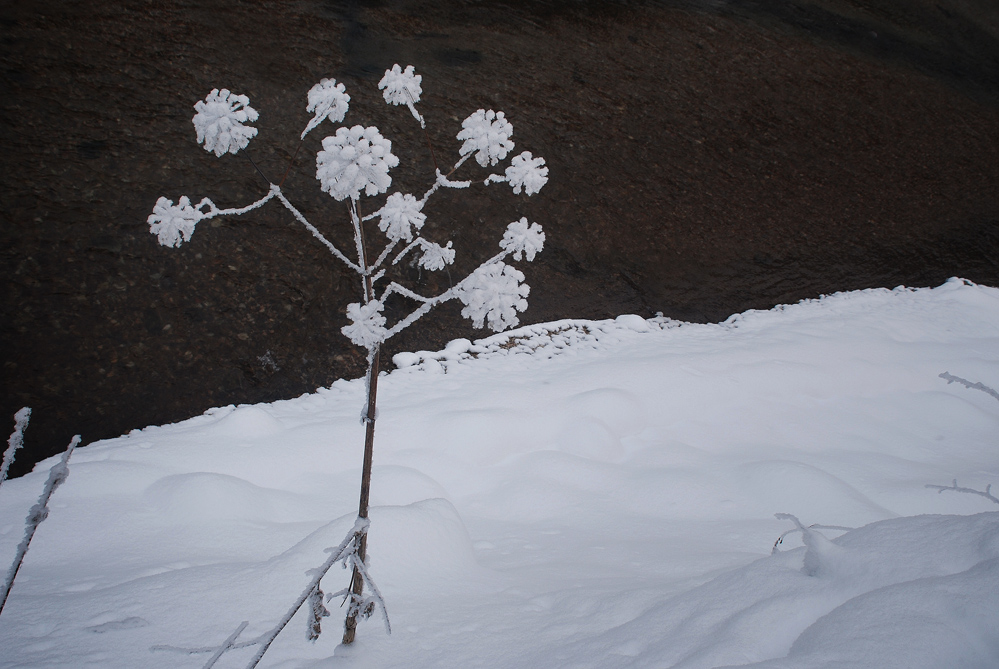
{"x": 401, "y": 216}
{"x": 328, "y": 100}
{"x": 521, "y": 239}
{"x": 494, "y": 294}
{"x": 220, "y": 122}
{"x": 528, "y": 173}
{"x": 354, "y": 160}
{"x": 486, "y": 135}
{"x": 367, "y": 324}
{"x": 581, "y": 493}
{"x": 172, "y": 223}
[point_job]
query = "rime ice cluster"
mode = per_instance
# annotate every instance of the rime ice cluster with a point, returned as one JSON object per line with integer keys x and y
{"x": 219, "y": 122}
{"x": 356, "y": 161}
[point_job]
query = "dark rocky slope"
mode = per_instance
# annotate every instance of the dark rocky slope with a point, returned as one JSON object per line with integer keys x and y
{"x": 706, "y": 158}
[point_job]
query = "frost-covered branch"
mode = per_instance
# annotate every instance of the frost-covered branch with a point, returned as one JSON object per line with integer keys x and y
{"x": 38, "y": 513}
{"x": 226, "y": 645}
{"x": 987, "y": 494}
{"x": 950, "y": 378}
{"x": 315, "y": 232}
{"x": 798, "y": 527}
{"x": 15, "y": 441}
{"x": 346, "y": 553}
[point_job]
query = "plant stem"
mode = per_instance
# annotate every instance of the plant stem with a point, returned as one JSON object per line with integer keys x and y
{"x": 374, "y": 359}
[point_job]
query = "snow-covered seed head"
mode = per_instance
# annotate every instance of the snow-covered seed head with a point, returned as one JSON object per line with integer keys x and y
{"x": 436, "y": 257}
{"x": 487, "y": 135}
{"x": 521, "y": 238}
{"x": 354, "y": 160}
{"x": 327, "y": 99}
{"x": 401, "y": 87}
{"x": 367, "y": 324}
{"x": 219, "y": 122}
{"x": 400, "y": 216}
{"x": 528, "y": 173}
{"x": 494, "y": 293}
{"x": 173, "y": 224}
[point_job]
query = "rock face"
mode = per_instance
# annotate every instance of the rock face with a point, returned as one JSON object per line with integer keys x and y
{"x": 706, "y": 157}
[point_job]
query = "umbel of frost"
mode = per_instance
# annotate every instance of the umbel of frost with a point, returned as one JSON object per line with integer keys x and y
{"x": 401, "y": 87}
{"x": 436, "y": 257}
{"x": 528, "y": 173}
{"x": 521, "y": 238}
{"x": 328, "y": 100}
{"x": 173, "y": 224}
{"x": 354, "y": 160}
{"x": 486, "y": 134}
{"x": 401, "y": 215}
{"x": 367, "y": 324}
{"x": 494, "y": 293}
{"x": 219, "y": 121}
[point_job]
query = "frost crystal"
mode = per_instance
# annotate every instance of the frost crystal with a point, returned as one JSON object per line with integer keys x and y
{"x": 487, "y": 134}
{"x": 401, "y": 87}
{"x": 528, "y": 173}
{"x": 219, "y": 121}
{"x": 436, "y": 257}
{"x": 173, "y": 224}
{"x": 521, "y": 238}
{"x": 367, "y": 327}
{"x": 353, "y": 160}
{"x": 494, "y": 293}
{"x": 400, "y": 215}
{"x": 327, "y": 99}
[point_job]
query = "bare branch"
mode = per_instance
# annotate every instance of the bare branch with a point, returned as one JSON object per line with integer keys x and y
{"x": 950, "y": 378}
{"x": 38, "y": 513}
{"x": 953, "y": 486}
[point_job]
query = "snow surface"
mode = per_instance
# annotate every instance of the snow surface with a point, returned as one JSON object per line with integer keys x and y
{"x": 574, "y": 494}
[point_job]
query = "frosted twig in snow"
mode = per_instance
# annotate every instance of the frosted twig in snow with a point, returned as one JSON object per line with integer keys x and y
{"x": 801, "y": 528}
{"x": 950, "y": 378}
{"x": 226, "y": 645}
{"x": 38, "y": 513}
{"x": 15, "y": 441}
{"x": 987, "y": 494}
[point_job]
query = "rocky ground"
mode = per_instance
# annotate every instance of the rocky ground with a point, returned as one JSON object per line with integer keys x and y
{"x": 706, "y": 158}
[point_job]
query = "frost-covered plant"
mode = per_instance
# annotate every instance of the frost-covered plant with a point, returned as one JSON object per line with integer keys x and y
{"x": 356, "y": 161}
{"x": 15, "y": 441}
{"x": 38, "y": 513}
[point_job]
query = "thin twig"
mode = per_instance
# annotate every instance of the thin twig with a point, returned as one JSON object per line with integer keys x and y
{"x": 38, "y": 513}
{"x": 16, "y": 440}
{"x": 953, "y": 486}
{"x": 950, "y": 378}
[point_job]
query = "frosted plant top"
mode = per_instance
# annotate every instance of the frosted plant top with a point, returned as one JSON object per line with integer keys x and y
{"x": 220, "y": 121}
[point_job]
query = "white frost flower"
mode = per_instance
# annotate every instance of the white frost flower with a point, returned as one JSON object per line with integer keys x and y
{"x": 367, "y": 326}
{"x": 219, "y": 121}
{"x": 494, "y": 293}
{"x": 327, "y": 99}
{"x": 487, "y": 135}
{"x": 436, "y": 257}
{"x": 173, "y": 224}
{"x": 401, "y": 87}
{"x": 521, "y": 238}
{"x": 527, "y": 172}
{"x": 353, "y": 160}
{"x": 400, "y": 215}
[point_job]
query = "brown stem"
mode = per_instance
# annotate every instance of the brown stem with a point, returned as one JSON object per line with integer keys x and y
{"x": 357, "y": 580}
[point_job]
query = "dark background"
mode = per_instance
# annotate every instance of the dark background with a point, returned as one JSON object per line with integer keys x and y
{"x": 706, "y": 158}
